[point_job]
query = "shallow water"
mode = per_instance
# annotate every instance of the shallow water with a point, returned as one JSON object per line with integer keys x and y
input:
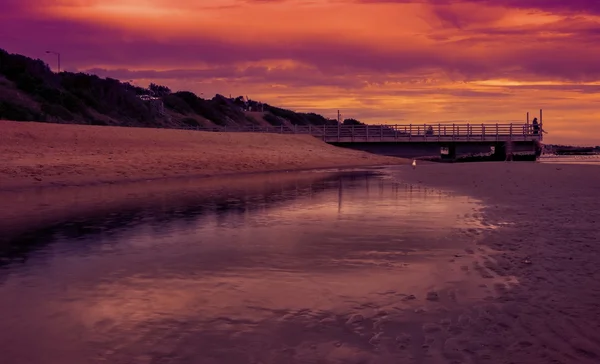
{"x": 572, "y": 159}
{"x": 256, "y": 276}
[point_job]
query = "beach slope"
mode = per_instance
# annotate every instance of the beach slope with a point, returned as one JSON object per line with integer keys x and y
{"x": 40, "y": 154}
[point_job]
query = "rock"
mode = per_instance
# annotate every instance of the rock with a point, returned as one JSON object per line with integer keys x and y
{"x": 410, "y": 297}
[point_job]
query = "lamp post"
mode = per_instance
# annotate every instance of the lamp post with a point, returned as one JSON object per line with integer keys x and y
{"x": 58, "y": 58}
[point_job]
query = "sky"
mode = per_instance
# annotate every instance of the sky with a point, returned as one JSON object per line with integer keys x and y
{"x": 379, "y": 61}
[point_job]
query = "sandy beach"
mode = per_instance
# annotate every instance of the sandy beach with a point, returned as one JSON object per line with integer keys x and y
{"x": 41, "y": 154}
{"x": 536, "y": 260}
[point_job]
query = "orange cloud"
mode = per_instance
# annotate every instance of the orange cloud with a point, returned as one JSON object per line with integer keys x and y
{"x": 378, "y": 61}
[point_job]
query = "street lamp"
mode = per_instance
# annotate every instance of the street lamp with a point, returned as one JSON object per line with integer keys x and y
{"x": 58, "y": 57}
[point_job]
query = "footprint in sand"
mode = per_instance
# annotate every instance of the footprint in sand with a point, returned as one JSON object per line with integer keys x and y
{"x": 433, "y": 296}
{"x": 584, "y": 346}
{"x": 355, "y": 319}
{"x": 482, "y": 271}
{"x": 403, "y": 339}
{"x": 328, "y": 321}
{"x": 430, "y": 328}
{"x": 452, "y": 349}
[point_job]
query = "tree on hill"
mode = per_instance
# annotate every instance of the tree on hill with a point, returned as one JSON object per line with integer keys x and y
{"x": 352, "y": 122}
{"x": 31, "y": 91}
{"x": 158, "y": 90}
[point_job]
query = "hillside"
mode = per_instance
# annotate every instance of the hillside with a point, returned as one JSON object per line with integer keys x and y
{"x": 30, "y": 91}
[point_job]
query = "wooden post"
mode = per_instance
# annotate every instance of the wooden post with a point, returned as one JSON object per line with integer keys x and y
{"x": 381, "y": 130}
{"x": 338, "y": 125}
{"x": 367, "y": 131}
{"x": 541, "y": 132}
{"x": 496, "y": 131}
{"x": 439, "y": 132}
{"x": 468, "y": 131}
{"x": 453, "y": 130}
{"x": 482, "y": 131}
{"x": 409, "y": 131}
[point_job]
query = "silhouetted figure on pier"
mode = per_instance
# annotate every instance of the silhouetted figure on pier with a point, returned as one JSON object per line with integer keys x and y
{"x": 536, "y": 126}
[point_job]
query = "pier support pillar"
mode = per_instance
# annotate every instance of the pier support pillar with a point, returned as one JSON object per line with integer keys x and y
{"x": 448, "y": 152}
{"x": 499, "y": 152}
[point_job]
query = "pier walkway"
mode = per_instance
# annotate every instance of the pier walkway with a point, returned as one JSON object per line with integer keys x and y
{"x": 405, "y": 133}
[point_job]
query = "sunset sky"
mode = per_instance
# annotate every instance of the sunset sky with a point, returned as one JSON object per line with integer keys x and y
{"x": 380, "y": 61}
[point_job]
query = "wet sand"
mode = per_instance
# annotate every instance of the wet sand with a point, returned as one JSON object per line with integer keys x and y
{"x": 546, "y": 235}
{"x": 41, "y": 154}
{"x": 521, "y": 288}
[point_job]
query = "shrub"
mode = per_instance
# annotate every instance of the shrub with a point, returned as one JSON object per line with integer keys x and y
{"x": 57, "y": 111}
{"x": 175, "y": 103}
{"x": 272, "y": 119}
{"x": 11, "y": 111}
{"x": 190, "y": 121}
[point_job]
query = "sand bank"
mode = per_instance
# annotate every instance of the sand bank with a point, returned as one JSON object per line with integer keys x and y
{"x": 40, "y": 154}
{"x": 545, "y": 231}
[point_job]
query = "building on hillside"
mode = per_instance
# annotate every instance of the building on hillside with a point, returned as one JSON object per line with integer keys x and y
{"x": 154, "y": 103}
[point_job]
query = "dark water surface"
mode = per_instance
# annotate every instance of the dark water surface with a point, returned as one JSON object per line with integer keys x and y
{"x": 272, "y": 274}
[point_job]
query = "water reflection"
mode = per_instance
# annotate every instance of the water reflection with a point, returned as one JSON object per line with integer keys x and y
{"x": 257, "y": 275}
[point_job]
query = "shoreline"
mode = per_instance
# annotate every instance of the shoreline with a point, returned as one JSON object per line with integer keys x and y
{"x": 201, "y": 177}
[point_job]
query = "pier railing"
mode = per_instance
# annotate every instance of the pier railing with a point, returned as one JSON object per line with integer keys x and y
{"x": 465, "y": 132}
